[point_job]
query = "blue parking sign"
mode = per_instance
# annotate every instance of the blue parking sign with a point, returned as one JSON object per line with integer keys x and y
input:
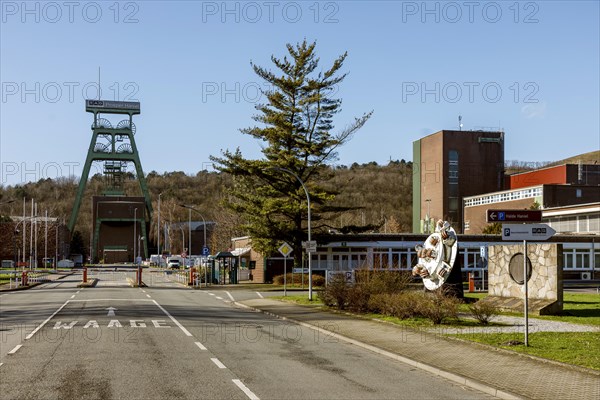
{"x": 205, "y": 251}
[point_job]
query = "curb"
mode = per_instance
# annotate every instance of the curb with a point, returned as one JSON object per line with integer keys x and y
{"x": 88, "y": 284}
{"x": 461, "y": 380}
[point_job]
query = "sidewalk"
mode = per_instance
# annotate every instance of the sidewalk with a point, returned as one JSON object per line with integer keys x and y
{"x": 48, "y": 278}
{"x": 500, "y": 373}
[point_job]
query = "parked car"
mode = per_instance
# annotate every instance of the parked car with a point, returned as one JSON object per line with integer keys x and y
{"x": 173, "y": 264}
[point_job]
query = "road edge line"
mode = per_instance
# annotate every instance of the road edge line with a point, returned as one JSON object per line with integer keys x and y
{"x": 187, "y": 333}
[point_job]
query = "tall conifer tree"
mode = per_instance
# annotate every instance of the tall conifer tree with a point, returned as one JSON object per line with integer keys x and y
{"x": 295, "y": 127}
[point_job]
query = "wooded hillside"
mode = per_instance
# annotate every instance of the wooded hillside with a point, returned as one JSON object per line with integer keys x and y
{"x": 383, "y": 195}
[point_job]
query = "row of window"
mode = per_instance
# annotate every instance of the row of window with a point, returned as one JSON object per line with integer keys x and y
{"x": 406, "y": 259}
{"x": 504, "y": 196}
{"x": 579, "y": 223}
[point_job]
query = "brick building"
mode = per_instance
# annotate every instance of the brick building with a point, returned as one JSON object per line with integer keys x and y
{"x": 449, "y": 166}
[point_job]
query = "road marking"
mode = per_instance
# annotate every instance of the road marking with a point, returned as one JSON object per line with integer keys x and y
{"x": 1, "y": 364}
{"x": 46, "y": 321}
{"x": 77, "y": 292}
{"x": 201, "y": 346}
{"x": 212, "y": 294}
{"x": 218, "y": 363}
{"x": 143, "y": 291}
{"x": 245, "y": 389}
{"x": 72, "y": 296}
{"x": 151, "y": 297}
{"x": 17, "y": 347}
{"x": 79, "y": 301}
{"x": 260, "y": 295}
{"x": 230, "y": 296}
{"x": 220, "y": 298}
{"x": 187, "y": 333}
{"x": 111, "y": 311}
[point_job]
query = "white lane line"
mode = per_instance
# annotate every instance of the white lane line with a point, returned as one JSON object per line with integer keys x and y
{"x": 212, "y": 294}
{"x": 150, "y": 297}
{"x": 143, "y": 291}
{"x": 260, "y": 295}
{"x": 187, "y": 333}
{"x": 220, "y": 298}
{"x": 201, "y": 346}
{"x": 17, "y": 347}
{"x": 1, "y": 364}
{"x": 218, "y": 363}
{"x": 75, "y": 301}
{"x": 77, "y": 292}
{"x": 46, "y": 321}
{"x": 72, "y": 296}
{"x": 230, "y": 296}
{"x": 245, "y": 389}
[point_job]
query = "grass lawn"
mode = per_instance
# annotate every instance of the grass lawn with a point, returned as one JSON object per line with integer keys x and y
{"x": 299, "y": 299}
{"x": 577, "y": 348}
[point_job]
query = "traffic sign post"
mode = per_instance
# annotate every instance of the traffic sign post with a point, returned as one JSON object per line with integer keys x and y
{"x": 285, "y": 250}
{"x": 514, "y": 215}
{"x": 526, "y": 232}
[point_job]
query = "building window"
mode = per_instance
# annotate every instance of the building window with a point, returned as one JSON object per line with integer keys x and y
{"x": 578, "y": 193}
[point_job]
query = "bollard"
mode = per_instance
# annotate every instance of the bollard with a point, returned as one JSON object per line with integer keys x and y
{"x": 84, "y": 274}
{"x": 471, "y": 283}
{"x": 24, "y": 278}
{"x": 139, "y": 276}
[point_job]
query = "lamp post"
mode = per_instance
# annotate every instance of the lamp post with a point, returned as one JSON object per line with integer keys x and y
{"x": 191, "y": 208}
{"x": 309, "y": 237}
{"x": 158, "y": 229}
{"x": 15, "y": 233}
{"x": 134, "y": 232}
{"x": 428, "y": 201}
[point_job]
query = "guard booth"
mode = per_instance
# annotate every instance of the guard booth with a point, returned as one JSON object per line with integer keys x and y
{"x": 226, "y": 264}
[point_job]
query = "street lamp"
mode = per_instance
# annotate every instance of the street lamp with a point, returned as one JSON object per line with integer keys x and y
{"x": 309, "y": 238}
{"x": 134, "y": 232}
{"x": 428, "y": 201}
{"x": 191, "y": 208}
{"x": 158, "y": 229}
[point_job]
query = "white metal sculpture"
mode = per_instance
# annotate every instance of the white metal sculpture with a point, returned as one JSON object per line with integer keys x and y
{"x": 437, "y": 256}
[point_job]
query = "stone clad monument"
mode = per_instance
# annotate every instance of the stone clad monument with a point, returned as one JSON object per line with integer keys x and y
{"x": 545, "y": 284}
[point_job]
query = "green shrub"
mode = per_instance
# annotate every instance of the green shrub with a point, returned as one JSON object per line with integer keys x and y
{"x": 437, "y": 306}
{"x": 335, "y": 293}
{"x": 357, "y": 297}
{"x": 402, "y": 305}
{"x": 483, "y": 311}
{"x": 317, "y": 280}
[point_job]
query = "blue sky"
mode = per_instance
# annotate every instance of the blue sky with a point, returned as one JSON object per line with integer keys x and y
{"x": 530, "y": 68}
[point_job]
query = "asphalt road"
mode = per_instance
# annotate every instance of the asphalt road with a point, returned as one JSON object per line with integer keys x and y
{"x": 167, "y": 341}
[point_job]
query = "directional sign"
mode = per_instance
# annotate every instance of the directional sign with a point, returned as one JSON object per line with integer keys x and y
{"x": 285, "y": 249}
{"x": 526, "y": 232}
{"x": 310, "y": 246}
{"x": 514, "y": 215}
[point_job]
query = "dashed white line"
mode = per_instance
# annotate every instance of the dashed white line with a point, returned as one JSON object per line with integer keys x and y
{"x": 220, "y": 298}
{"x": 17, "y": 347}
{"x": 187, "y": 333}
{"x": 72, "y": 296}
{"x": 245, "y": 389}
{"x": 218, "y": 363}
{"x": 212, "y": 294}
{"x": 1, "y": 364}
{"x": 201, "y": 346}
{"x": 260, "y": 295}
{"x": 148, "y": 295}
{"x": 230, "y": 296}
{"x": 46, "y": 321}
{"x": 143, "y": 291}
